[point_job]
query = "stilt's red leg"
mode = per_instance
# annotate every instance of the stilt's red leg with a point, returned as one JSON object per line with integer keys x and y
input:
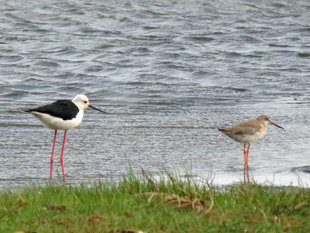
{"x": 245, "y": 154}
{"x": 52, "y": 160}
{"x": 62, "y": 155}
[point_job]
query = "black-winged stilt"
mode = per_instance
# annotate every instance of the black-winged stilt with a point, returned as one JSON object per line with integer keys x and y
{"x": 64, "y": 115}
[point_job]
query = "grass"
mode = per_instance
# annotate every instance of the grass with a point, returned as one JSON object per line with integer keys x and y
{"x": 143, "y": 203}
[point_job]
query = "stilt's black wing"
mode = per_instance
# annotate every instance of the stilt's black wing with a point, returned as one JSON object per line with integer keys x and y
{"x": 64, "y": 109}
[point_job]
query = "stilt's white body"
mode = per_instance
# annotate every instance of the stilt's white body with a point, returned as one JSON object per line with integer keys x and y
{"x": 53, "y": 122}
{"x": 58, "y": 123}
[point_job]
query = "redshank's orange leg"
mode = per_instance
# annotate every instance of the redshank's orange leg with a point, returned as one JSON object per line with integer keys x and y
{"x": 246, "y": 176}
{"x": 52, "y": 156}
{"x": 62, "y": 156}
{"x": 245, "y": 154}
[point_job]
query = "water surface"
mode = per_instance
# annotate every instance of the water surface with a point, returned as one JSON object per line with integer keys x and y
{"x": 169, "y": 74}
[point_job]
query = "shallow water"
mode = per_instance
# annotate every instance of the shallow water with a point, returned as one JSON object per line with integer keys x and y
{"x": 168, "y": 74}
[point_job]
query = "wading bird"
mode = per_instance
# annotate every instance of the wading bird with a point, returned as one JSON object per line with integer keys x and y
{"x": 248, "y": 131}
{"x": 62, "y": 115}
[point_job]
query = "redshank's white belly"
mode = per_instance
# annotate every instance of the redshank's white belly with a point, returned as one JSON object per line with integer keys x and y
{"x": 248, "y": 138}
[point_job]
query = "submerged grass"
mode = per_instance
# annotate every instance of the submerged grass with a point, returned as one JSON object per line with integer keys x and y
{"x": 143, "y": 203}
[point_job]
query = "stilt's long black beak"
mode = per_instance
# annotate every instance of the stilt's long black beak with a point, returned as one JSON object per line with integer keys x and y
{"x": 96, "y": 109}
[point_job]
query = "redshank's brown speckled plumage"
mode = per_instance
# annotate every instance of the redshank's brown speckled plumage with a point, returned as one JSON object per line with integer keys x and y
{"x": 248, "y": 131}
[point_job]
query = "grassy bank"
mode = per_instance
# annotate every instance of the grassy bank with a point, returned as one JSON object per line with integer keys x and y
{"x": 147, "y": 204}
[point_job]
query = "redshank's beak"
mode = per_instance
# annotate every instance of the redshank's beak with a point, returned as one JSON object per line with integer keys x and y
{"x": 96, "y": 108}
{"x": 275, "y": 124}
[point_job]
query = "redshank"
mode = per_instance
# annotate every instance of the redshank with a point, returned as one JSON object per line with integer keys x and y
{"x": 248, "y": 131}
{"x": 64, "y": 115}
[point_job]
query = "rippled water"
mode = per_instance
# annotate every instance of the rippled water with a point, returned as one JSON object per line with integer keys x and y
{"x": 169, "y": 73}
